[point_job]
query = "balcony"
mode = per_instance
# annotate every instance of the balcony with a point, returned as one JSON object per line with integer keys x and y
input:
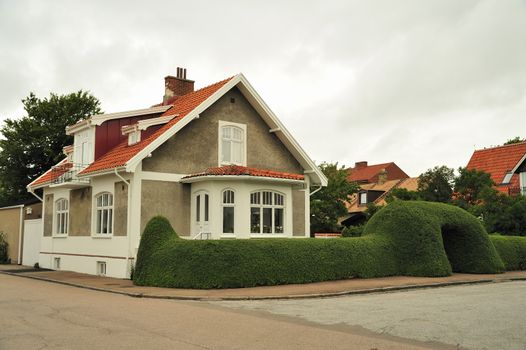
{"x": 65, "y": 175}
{"x": 515, "y": 191}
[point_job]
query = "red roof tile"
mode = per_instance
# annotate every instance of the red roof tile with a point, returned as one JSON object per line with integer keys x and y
{"x": 52, "y": 174}
{"x": 242, "y": 170}
{"x": 118, "y": 156}
{"x": 497, "y": 161}
{"x": 370, "y": 172}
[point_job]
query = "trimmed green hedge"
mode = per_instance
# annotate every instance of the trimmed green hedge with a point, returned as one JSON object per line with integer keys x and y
{"x": 512, "y": 250}
{"x": 404, "y": 238}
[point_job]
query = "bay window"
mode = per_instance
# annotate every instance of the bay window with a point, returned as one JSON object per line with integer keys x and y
{"x": 267, "y": 212}
{"x": 228, "y": 211}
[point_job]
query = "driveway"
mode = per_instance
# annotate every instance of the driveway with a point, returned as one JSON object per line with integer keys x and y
{"x": 37, "y": 315}
{"x": 485, "y": 316}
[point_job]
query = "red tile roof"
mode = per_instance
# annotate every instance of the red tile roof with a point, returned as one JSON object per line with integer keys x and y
{"x": 118, "y": 156}
{"x": 52, "y": 174}
{"x": 369, "y": 173}
{"x": 242, "y": 170}
{"x": 497, "y": 161}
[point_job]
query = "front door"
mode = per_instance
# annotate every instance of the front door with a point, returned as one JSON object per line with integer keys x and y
{"x": 202, "y": 211}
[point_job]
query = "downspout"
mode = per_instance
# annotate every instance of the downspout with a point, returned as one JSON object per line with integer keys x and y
{"x": 20, "y": 231}
{"x": 316, "y": 190}
{"x": 128, "y": 216}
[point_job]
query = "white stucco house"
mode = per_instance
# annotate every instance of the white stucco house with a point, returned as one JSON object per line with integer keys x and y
{"x": 216, "y": 162}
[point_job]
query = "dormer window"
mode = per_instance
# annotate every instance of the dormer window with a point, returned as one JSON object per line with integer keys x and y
{"x": 134, "y": 137}
{"x": 232, "y": 143}
{"x": 362, "y": 198}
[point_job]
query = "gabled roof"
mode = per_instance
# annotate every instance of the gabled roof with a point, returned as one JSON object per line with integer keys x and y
{"x": 52, "y": 174}
{"x": 498, "y": 161}
{"x": 236, "y": 170}
{"x": 187, "y": 108}
{"x": 121, "y": 154}
{"x": 370, "y": 173}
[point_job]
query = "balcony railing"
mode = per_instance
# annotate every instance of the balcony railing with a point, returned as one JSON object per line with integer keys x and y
{"x": 67, "y": 173}
{"x": 515, "y": 191}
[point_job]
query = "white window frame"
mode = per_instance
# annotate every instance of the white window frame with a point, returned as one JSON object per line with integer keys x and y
{"x": 362, "y": 195}
{"x": 243, "y": 127}
{"x": 61, "y": 215}
{"x": 134, "y": 137}
{"x": 273, "y": 206}
{"x": 229, "y": 204}
{"x": 110, "y": 208}
{"x": 522, "y": 182}
{"x": 101, "y": 268}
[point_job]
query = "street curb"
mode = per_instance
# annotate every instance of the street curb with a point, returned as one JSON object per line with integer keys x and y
{"x": 277, "y": 297}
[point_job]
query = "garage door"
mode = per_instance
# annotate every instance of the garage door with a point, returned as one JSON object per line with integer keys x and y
{"x": 31, "y": 248}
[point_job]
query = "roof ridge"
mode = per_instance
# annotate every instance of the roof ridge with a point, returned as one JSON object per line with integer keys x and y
{"x": 501, "y": 146}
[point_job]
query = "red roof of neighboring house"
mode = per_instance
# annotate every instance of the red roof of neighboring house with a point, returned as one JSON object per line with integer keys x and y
{"x": 242, "y": 170}
{"x": 118, "y": 156}
{"x": 497, "y": 161}
{"x": 52, "y": 174}
{"x": 369, "y": 173}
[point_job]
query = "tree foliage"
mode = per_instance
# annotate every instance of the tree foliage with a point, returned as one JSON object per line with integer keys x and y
{"x": 32, "y": 144}
{"x": 327, "y": 205}
{"x": 469, "y": 185}
{"x": 517, "y": 139}
{"x": 402, "y": 194}
{"x": 436, "y": 185}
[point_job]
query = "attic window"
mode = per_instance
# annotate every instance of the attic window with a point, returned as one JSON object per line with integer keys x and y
{"x": 363, "y": 198}
{"x": 134, "y": 137}
{"x": 507, "y": 178}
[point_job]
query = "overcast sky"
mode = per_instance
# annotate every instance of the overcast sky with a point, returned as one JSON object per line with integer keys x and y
{"x": 420, "y": 83}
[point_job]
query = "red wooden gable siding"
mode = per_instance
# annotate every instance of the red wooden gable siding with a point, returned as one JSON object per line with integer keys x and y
{"x": 108, "y": 135}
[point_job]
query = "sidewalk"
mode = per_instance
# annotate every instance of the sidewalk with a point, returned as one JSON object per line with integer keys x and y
{"x": 290, "y": 291}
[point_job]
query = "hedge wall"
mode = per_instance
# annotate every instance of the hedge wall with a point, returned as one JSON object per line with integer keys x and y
{"x": 404, "y": 238}
{"x": 512, "y": 250}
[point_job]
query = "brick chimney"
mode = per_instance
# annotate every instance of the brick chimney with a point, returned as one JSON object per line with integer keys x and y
{"x": 360, "y": 165}
{"x": 177, "y": 86}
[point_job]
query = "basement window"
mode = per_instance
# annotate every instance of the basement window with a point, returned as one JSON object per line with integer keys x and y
{"x": 101, "y": 268}
{"x": 56, "y": 263}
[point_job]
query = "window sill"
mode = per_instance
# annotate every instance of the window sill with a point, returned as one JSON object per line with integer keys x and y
{"x": 103, "y": 236}
{"x": 227, "y": 235}
{"x": 59, "y": 236}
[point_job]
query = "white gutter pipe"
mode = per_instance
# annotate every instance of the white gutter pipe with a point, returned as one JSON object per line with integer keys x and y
{"x": 316, "y": 190}
{"x": 128, "y": 216}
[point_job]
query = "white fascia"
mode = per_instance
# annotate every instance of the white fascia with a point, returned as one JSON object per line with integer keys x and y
{"x": 101, "y": 118}
{"x": 253, "y": 97}
{"x": 239, "y": 178}
{"x": 516, "y": 167}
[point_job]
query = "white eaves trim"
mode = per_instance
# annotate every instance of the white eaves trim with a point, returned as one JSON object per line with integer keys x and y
{"x": 49, "y": 170}
{"x": 239, "y": 177}
{"x": 516, "y": 167}
{"x": 249, "y": 92}
{"x": 101, "y": 118}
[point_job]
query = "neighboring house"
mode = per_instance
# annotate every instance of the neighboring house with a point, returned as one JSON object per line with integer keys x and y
{"x": 506, "y": 165}
{"x": 376, "y": 181}
{"x": 13, "y": 219}
{"x": 216, "y": 162}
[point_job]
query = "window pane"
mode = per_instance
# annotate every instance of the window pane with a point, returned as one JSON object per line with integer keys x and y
{"x": 99, "y": 221}
{"x": 110, "y": 220}
{"x": 236, "y": 152}
{"x": 237, "y": 134}
{"x": 228, "y": 219}
{"x": 227, "y": 133}
{"x": 66, "y": 218}
{"x": 198, "y": 208}
{"x": 206, "y": 207}
{"x": 267, "y": 198}
{"x": 267, "y": 220}
{"x": 278, "y": 220}
{"x": 255, "y": 220}
{"x": 226, "y": 152}
{"x": 104, "y": 221}
{"x": 99, "y": 201}
{"x": 255, "y": 198}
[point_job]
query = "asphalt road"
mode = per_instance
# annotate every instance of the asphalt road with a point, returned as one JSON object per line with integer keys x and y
{"x": 486, "y": 316}
{"x": 37, "y": 315}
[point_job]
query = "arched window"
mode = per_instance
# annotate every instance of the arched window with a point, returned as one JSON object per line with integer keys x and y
{"x": 62, "y": 216}
{"x": 232, "y": 145}
{"x": 104, "y": 213}
{"x": 267, "y": 212}
{"x": 228, "y": 211}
